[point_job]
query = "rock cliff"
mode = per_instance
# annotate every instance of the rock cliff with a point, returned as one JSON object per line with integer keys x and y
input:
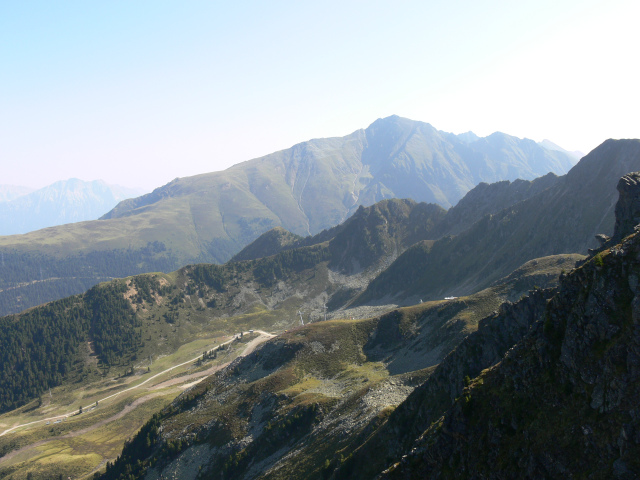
{"x": 563, "y": 403}
{"x": 628, "y": 206}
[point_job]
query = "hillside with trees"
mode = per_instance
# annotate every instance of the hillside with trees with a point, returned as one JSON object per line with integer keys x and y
{"x": 305, "y": 189}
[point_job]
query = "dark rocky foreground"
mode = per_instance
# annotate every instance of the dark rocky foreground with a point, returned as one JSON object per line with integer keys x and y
{"x": 564, "y": 402}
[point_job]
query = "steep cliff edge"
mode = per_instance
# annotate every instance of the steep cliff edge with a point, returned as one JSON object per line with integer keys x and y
{"x": 564, "y": 401}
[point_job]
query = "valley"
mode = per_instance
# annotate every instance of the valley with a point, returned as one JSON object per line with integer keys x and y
{"x": 112, "y": 410}
{"x": 233, "y": 248}
{"x": 310, "y": 187}
{"x": 400, "y": 313}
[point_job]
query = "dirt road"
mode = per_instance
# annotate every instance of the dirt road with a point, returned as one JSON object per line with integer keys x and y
{"x": 262, "y": 337}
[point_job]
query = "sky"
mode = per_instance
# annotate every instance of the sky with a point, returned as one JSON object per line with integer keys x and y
{"x": 138, "y": 93}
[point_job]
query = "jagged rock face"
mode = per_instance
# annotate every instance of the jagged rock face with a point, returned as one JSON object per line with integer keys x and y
{"x": 628, "y": 206}
{"x": 564, "y": 401}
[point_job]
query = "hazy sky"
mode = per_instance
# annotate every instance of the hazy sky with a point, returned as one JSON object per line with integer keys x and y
{"x": 140, "y": 92}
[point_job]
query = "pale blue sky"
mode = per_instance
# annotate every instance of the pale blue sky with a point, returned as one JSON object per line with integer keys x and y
{"x": 140, "y": 92}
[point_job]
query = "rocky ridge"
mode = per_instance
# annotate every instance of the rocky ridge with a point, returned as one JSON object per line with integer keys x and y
{"x": 317, "y": 390}
{"x": 573, "y": 382}
{"x": 563, "y": 218}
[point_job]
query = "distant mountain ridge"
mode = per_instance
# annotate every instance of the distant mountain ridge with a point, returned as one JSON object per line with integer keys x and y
{"x": 9, "y": 192}
{"x": 62, "y": 202}
{"x": 563, "y": 218}
{"x": 393, "y": 158}
{"x": 549, "y": 145}
{"x": 318, "y": 184}
{"x": 312, "y": 186}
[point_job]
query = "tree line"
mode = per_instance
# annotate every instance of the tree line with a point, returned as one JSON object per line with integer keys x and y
{"x": 44, "y": 346}
{"x": 28, "y": 278}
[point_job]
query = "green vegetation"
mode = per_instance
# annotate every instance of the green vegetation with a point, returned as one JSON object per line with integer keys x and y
{"x": 30, "y": 278}
{"x": 82, "y": 442}
{"x": 39, "y": 349}
{"x": 114, "y": 325}
{"x": 305, "y": 189}
{"x": 44, "y": 346}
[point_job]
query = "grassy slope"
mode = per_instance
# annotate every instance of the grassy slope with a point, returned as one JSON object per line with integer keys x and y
{"x": 321, "y": 387}
{"x": 82, "y": 443}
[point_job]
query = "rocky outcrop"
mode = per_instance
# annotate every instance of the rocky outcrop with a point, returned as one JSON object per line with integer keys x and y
{"x": 484, "y": 348}
{"x": 628, "y": 206}
{"x": 564, "y": 401}
{"x": 627, "y": 212}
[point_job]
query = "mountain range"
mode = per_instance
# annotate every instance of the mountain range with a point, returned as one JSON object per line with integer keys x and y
{"x": 9, "y": 192}
{"x": 366, "y": 383}
{"x": 429, "y": 391}
{"x": 62, "y": 202}
{"x": 312, "y": 186}
{"x": 549, "y": 145}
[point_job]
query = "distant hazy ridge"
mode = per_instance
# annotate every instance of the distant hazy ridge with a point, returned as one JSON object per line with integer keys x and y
{"x": 23, "y": 210}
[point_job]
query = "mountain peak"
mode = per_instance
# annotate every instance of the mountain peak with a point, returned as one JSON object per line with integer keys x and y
{"x": 549, "y": 145}
{"x": 62, "y": 202}
{"x": 468, "y": 137}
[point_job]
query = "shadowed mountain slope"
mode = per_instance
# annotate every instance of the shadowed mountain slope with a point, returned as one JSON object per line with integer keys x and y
{"x": 487, "y": 199}
{"x": 572, "y": 382}
{"x": 563, "y": 218}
